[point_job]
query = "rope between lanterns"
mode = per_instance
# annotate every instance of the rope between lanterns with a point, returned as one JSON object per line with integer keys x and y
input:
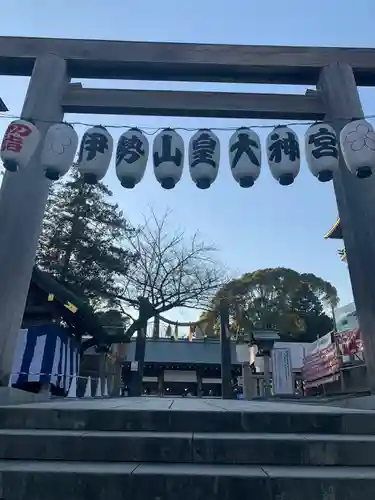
{"x": 60, "y": 144}
{"x": 155, "y": 130}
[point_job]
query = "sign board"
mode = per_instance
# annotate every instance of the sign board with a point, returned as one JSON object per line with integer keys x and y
{"x": 320, "y": 344}
{"x": 320, "y": 366}
{"x": 282, "y": 376}
{"x": 134, "y": 366}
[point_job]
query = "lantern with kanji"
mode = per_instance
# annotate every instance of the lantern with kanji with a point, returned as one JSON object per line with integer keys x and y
{"x": 204, "y": 158}
{"x": 322, "y": 152}
{"x": 245, "y": 156}
{"x": 20, "y": 141}
{"x": 283, "y": 154}
{"x": 357, "y": 141}
{"x": 95, "y": 154}
{"x": 168, "y": 156}
{"x": 131, "y": 157}
{"x": 59, "y": 149}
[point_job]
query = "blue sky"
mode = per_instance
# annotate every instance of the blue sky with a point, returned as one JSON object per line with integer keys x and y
{"x": 267, "y": 225}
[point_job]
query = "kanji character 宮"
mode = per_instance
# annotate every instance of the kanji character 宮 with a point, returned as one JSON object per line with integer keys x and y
{"x": 325, "y": 143}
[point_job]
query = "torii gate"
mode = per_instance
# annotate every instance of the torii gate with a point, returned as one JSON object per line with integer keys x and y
{"x": 53, "y": 62}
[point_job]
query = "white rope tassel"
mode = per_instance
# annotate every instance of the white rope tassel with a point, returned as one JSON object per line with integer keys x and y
{"x": 105, "y": 391}
{"x": 72, "y": 393}
{"x": 88, "y": 389}
{"x": 98, "y": 392}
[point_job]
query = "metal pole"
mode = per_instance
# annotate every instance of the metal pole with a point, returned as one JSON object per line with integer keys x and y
{"x": 23, "y": 197}
{"x": 226, "y": 364}
{"x": 356, "y": 205}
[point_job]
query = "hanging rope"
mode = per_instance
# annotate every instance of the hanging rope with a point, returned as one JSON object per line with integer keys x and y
{"x": 154, "y": 130}
{"x": 187, "y": 323}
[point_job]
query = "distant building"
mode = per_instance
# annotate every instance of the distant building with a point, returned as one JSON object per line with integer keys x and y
{"x": 335, "y": 233}
{"x": 346, "y": 317}
{"x": 175, "y": 367}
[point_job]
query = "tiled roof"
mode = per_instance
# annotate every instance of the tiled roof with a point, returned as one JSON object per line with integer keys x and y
{"x": 335, "y": 233}
{"x": 183, "y": 351}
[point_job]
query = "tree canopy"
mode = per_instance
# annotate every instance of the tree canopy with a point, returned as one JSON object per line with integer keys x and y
{"x": 281, "y": 299}
{"x": 82, "y": 243}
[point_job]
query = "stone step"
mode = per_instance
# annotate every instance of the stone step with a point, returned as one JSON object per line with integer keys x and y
{"x": 185, "y": 447}
{"x": 289, "y": 419}
{"x": 46, "y": 480}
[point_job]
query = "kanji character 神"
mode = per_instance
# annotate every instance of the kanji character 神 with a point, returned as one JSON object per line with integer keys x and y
{"x": 289, "y": 146}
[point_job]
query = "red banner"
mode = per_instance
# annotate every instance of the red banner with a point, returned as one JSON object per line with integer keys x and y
{"x": 349, "y": 342}
{"x": 321, "y": 364}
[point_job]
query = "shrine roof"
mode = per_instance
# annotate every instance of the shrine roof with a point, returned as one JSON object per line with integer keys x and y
{"x": 335, "y": 233}
{"x": 75, "y": 312}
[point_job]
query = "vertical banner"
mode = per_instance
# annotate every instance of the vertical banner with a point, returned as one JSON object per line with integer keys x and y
{"x": 282, "y": 376}
{"x": 321, "y": 343}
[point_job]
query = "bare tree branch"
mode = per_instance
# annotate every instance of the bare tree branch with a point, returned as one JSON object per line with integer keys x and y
{"x": 171, "y": 270}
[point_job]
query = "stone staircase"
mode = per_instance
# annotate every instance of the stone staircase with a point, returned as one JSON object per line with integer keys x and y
{"x": 170, "y": 450}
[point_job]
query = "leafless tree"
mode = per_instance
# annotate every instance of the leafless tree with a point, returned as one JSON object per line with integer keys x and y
{"x": 171, "y": 270}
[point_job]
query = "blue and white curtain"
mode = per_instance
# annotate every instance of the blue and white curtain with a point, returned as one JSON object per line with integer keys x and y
{"x": 45, "y": 354}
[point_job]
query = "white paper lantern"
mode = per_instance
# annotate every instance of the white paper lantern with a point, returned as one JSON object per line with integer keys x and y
{"x": 168, "y": 155}
{"x": 357, "y": 141}
{"x": 245, "y": 156}
{"x": 59, "y": 149}
{"x": 204, "y": 158}
{"x": 322, "y": 152}
{"x": 95, "y": 154}
{"x": 283, "y": 154}
{"x": 131, "y": 157}
{"x": 19, "y": 143}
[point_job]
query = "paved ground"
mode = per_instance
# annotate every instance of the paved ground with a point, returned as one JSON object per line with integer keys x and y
{"x": 190, "y": 404}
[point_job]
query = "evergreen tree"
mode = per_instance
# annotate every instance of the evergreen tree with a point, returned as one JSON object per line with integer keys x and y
{"x": 81, "y": 243}
{"x": 282, "y": 299}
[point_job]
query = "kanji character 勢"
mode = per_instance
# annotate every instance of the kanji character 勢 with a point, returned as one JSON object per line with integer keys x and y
{"x": 129, "y": 149}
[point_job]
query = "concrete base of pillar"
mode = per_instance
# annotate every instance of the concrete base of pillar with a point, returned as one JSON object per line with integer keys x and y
{"x": 12, "y": 396}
